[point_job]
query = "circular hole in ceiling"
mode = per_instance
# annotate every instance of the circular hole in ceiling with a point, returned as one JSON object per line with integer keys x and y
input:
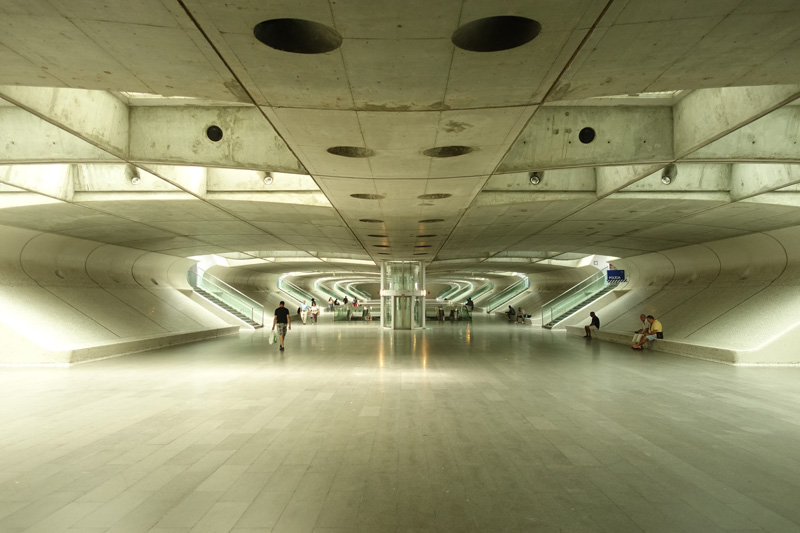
{"x": 422, "y": 246}
{"x": 425, "y": 236}
{"x": 214, "y": 133}
{"x": 351, "y": 151}
{"x": 369, "y": 196}
{"x": 380, "y": 245}
{"x": 371, "y": 220}
{"x": 60, "y": 274}
{"x": 383, "y": 253}
{"x": 431, "y": 220}
{"x": 379, "y": 236}
{"x": 447, "y": 151}
{"x": 298, "y": 36}
{"x": 493, "y": 34}
{"x": 586, "y": 135}
{"x": 421, "y": 253}
{"x": 434, "y": 196}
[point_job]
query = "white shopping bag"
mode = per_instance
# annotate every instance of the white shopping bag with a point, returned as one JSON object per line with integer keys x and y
{"x": 272, "y": 337}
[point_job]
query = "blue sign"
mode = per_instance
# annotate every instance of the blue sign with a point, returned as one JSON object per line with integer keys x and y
{"x": 615, "y": 276}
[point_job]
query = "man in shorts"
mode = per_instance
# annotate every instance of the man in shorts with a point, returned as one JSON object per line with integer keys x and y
{"x": 283, "y": 322}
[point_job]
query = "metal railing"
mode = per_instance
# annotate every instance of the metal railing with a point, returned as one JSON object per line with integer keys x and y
{"x": 508, "y": 294}
{"x": 294, "y": 291}
{"x": 480, "y": 292}
{"x": 200, "y": 279}
{"x": 574, "y": 296}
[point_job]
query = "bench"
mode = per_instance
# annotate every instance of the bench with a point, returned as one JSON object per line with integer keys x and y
{"x": 677, "y": 347}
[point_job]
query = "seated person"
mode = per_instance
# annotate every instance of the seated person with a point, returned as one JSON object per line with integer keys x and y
{"x": 641, "y": 332}
{"x": 520, "y": 315}
{"x": 656, "y": 331}
{"x": 511, "y": 314}
{"x": 594, "y": 325}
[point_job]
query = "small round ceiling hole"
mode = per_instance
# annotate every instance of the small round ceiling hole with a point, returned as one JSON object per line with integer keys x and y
{"x": 434, "y": 196}
{"x": 494, "y": 34}
{"x": 383, "y": 253}
{"x": 447, "y": 151}
{"x": 214, "y": 133}
{"x": 378, "y": 236}
{"x": 298, "y": 36}
{"x": 586, "y": 135}
{"x": 351, "y": 151}
{"x": 431, "y": 220}
{"x": 381, "y": 245}
{"x": 425, "y": 236}
{"x": 422, "y": 246}
{"x": 370, "y": 220}
{"x": 362, "y": 196}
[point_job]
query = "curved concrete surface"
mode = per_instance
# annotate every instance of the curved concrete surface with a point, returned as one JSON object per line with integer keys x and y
{"x": 64, "y": 299}
{"x": 738, "y": 295}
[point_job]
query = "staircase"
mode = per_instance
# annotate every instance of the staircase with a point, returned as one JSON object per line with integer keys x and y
{"x": 576, "y": 298}
{"x": 577, "y": 307}
{"x": 226, "y": 297}
{"x": 241, "y": 316}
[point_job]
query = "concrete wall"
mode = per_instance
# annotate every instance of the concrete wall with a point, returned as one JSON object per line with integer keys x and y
{"x": 740, "y": 294}
{"x": 63, "y": 300}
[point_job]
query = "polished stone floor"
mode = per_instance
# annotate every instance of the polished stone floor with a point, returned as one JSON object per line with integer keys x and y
{"x": 463, "y": 427}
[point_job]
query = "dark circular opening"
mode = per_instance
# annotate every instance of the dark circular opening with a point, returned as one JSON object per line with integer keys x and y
{"x": 431, "y": 220}
{"x": 383, "y": 253}
{"x": 381, "y": 245}
{"x": 447, "y": 151}
{"x": 154, "y": 281}
{"x": 298, "y": 36}
{"x": 586, "y": 135}
{"x": 351, "y": 151}
{"x": 214, "y": 133}
{"x": 493, "y": 34}
{"x": 436, "y": 196}
{"x": 60, "y": 274}
{"x": 379, "y": 236}
{"x": 425, "y": 236}
{"x": 422, "y": 246}
{"x": 368, "y": 196}
{"x": 371, "y": 220}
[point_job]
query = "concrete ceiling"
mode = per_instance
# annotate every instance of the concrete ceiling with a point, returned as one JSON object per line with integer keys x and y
{"x": 95, "y": 94}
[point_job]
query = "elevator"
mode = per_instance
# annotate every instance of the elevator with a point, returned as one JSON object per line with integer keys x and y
{"x": 403, "y": 294}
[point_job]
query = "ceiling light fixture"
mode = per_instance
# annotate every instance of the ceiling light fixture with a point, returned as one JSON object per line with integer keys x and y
{"x": 268, "y": 179}
{"x": 535, "y": 178}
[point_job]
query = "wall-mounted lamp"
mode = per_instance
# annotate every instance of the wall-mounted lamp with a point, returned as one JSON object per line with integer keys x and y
{"x": 268, "y": 179}
{"x": 535, "y": 178}
{"x": 668, "y": 174}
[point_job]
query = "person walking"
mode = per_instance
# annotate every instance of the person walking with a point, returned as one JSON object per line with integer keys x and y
{"x": 314, "y": 312}
{"x": 330, "y": 305}
{"x": 283, "y": 321}
{"x": 303, "y": 312}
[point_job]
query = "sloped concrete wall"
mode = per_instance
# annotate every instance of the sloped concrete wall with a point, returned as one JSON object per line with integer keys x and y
{"x": 64, "y": 299}
{"x": 740, "y": 294}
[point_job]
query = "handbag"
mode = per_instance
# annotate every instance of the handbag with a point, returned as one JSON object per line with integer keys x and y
{"x": 271, "y": 339}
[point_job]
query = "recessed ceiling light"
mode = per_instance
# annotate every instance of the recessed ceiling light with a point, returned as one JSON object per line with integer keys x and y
{"x": 447, "y": 151}
{"x": 431, "y": 220}
{"x": 422, "y": 246}
{"x": 435, "y": 196}
{"x": 371, "y": 220}
{"x": 298, "y": 36}
{"x": 378, "y": 236}
{"x": 493, "y": 34}
{"x": 381, "y": 245}
{"x": 351, "y": 151}
{"x": 363, "y": 196}
{"x": 425, "y": 236}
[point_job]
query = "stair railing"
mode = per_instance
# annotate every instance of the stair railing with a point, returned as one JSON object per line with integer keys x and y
{"x": 508, "y": 294}
{"x": 200, "y": 279}
{"x": 573, "y": 296}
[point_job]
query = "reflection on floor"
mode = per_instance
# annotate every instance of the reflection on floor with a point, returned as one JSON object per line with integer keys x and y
{"x": 485, "y": 426}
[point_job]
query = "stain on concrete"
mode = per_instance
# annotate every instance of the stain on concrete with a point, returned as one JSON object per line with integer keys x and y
{"x": 453, "y": 126}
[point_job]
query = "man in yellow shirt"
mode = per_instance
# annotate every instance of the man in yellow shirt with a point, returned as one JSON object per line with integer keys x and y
{"x": 656, "y": 331}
